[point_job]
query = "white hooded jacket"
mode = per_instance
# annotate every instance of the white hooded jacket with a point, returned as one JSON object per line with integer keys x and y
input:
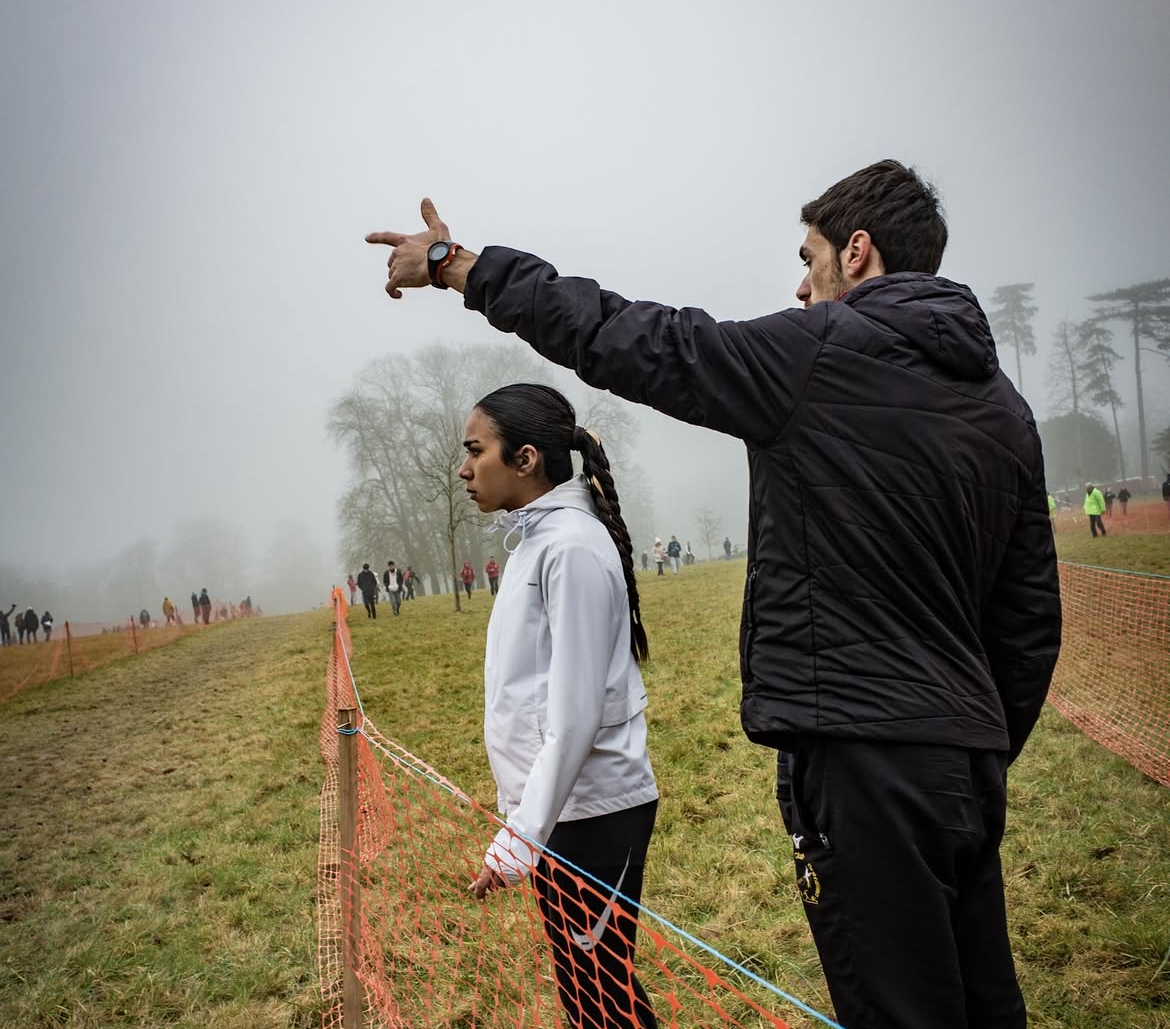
{"x": 563, "y": 715}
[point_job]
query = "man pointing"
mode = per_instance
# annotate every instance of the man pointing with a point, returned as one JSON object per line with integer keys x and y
{"x": 901, "y": 615}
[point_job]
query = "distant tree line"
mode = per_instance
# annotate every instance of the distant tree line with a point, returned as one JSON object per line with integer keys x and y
{"x": 292, "y": 574}
{"x": 1082, "y": 374}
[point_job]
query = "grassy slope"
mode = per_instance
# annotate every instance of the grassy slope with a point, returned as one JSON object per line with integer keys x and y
{"x": 160, "y": 817}
{"x": 1149, "y": 554}
{"x": 159, "y": 848}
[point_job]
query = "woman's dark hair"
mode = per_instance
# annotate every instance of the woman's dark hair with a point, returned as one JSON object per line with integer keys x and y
{"x": 528, "y": 414}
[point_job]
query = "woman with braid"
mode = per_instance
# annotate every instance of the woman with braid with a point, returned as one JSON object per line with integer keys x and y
{"x": 564, "y": 725}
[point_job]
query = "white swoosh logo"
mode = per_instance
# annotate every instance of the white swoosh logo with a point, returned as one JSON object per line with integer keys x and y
{"x": 587, "y": 941}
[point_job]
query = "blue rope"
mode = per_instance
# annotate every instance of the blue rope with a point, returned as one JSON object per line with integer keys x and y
{"x": 608, "y": 888}
{"x": 760, "y": 980}
{"x": 424, "y": 774}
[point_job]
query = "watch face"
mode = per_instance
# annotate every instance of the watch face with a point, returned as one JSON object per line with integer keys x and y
{"x": 437, "y": 251}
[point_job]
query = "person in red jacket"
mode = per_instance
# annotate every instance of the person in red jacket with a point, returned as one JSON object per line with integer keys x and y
{"x": 493, "y": 575}
{"x": 467, "y": 576}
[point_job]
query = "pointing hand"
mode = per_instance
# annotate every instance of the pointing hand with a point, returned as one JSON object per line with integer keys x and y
{"x": 408, "y": 258}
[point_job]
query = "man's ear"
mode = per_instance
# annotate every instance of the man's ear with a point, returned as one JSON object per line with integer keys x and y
{"x": 861, "y": 260}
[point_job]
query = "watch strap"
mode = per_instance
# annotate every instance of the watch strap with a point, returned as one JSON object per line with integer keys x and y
{"x": 435, "y": 266}
{"x": 438, "y": 277}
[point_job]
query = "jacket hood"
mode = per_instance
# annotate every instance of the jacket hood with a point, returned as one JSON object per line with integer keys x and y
{"x": 572, "y": 493}
{"x": 942, "y": 318}
{"x": 575, "y": 493}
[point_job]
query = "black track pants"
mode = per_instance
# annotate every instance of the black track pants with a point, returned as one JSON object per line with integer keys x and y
{"x": 897, "y": 860}
{"x": 592, "y": 947}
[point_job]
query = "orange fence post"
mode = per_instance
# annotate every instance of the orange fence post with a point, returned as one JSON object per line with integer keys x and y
{"x": 347, "y": 866}
{"x": 69, "y": 648}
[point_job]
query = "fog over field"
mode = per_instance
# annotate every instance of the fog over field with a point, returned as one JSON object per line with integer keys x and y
{"x": 186, "y": 292}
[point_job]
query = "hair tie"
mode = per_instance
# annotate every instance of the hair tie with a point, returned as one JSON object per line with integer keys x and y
{"x": 579, "y": 435}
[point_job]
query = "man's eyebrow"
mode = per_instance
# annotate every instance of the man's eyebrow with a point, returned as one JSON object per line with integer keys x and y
{"x": 467, "y": 443}
{"x": 802, "y": 253}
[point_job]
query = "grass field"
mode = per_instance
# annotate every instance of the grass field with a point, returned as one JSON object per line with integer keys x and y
{"x": 158, "y": 858}
{"x": 25, "y": 664}
{"x": 1149, "y": 554}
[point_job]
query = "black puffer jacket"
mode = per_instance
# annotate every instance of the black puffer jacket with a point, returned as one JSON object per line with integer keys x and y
{"x": 902, "y": 580}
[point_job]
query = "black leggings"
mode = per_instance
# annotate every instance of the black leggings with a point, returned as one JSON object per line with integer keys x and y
{"x": 593, "y": 946}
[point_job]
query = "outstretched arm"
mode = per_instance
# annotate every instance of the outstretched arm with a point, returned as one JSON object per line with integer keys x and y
{"x": 739, "y": 378}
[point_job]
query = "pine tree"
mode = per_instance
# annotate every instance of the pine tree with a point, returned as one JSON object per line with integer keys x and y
{"x": 1146, "y": 306}
{"x": 1097, "y": 361}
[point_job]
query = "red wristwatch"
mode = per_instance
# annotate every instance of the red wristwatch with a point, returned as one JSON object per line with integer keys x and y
{"x": 439, "y": 255}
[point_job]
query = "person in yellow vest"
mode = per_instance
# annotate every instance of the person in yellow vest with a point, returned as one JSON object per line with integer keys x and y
{"x": 1051, "y": 506}
{"x": 168, "y": 610}
{"x": 1094, "y": 508}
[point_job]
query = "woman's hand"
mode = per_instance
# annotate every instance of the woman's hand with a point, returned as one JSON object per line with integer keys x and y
{"x": 487, "y": 882}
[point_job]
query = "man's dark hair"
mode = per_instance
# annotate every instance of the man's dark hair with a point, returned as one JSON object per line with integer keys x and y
{"x": 901, "y": 213}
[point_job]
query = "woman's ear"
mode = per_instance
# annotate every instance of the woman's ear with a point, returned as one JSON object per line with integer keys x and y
{"x": 527, "y": 460}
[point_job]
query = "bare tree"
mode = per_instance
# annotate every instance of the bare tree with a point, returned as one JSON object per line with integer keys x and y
{"x": 402, "y": 427}
{"x": 1146, "y": 306}
{"x": 1011, "y": 321}
{"x": 710, "y": 525}
{"x": 1064, "y": 370}
{"x": 1064, "y": 380}
{"x": 379, "y": 513}
{"x": 1097, "y": 361}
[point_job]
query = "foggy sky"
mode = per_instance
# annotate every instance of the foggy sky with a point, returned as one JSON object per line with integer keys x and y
{"x": 184, "y": 285}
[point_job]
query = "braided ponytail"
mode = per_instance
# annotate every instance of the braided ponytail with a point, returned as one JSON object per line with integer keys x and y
{"x": 595, "y": 466}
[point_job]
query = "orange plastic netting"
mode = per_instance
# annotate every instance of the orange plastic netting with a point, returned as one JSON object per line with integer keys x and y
{"x": 425, "y": 953}
{"x": 1113, "y": 678}
{"x": 431, "y": 955}
{"x": 77, "y": 647}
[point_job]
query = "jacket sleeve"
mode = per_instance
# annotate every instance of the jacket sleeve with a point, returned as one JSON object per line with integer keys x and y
{"x": 740, "y": 378}
{"x": 1022, "y": 618}
{"x": 580, "y": 601}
